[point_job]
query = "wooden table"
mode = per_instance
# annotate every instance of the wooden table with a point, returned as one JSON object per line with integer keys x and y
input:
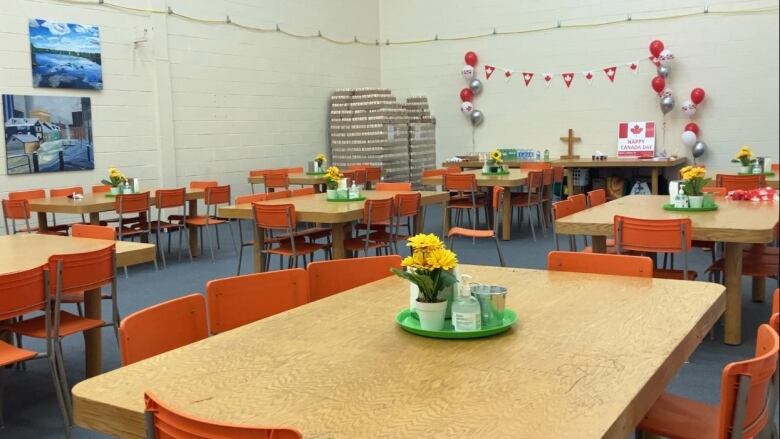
{"x": 341, "y": 368}
{"x": 734, "y": 223}
{"x": 515, "y": 178}
{"x": 656, "y": 166}
{"x": 298, "y": 178}
{"x": 24, "y": 251}
{"x": 94, "y": 204}
{"x": 316, "y": 209}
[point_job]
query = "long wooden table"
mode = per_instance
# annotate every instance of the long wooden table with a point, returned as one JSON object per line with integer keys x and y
{"x": 317, "y": 209}
{"x": 296, "y": 178}
{"x": 341, "y": 368}
{"x": 24, "y": 251}
{"x": 94, "y": 204}
{"x": 734, "y": 223}
{"x": 515, "y": 178}
{"x": 656, "y": 166}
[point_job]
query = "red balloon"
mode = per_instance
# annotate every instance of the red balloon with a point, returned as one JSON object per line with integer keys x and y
{"x": 658, "y": 83}
{"x": 692, "y": 127}
{"x": 466, "y": 95}
{"x": 697, "y": 95}
{"x": 471, "y": 58}
{"x": 656, "y": 47}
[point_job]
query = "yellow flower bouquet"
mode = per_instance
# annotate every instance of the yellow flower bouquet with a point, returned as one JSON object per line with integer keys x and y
{"x": 115, "y": 178}
{"x": 320, "y": 158}
{"x": 428, "y": 267}
{"x": 744, "y": 157}
{"x": 332, "y": 176}
{"x": 694, "y": 180}
{"x": 496, "y": 158}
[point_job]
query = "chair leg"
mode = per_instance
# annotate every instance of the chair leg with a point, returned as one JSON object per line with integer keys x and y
{"x": 240, "y": 258}
{"x": 531, "y": 223}
{"x": 79, "y": 309}
{"x": 500, "y": 256}
{"x": 232, "y": 237}
{"x": 211, "y": 244}
{"x": 162, "y": 252}
{"x": 126, "y": 275}
{"x": 58, "y": 390}
{"x": 60, "y": 361}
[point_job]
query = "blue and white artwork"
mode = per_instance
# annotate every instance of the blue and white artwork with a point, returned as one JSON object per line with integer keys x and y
{"x": 65, "y": 55}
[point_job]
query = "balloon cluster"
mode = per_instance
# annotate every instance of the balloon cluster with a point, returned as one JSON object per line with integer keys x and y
{"x": 690, "y": 135}
{"x": 662, "y": 58}
{"x": 467, "y": 94}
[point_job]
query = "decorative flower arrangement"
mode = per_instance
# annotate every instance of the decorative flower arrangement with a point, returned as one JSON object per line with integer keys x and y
{"x": 320, "y": 158}
{"x": 694, "y": 180}
{"x": 428, "y": 266}
{"x": 496, "y": 158}
{"x": 333, "y": 175}
{"x": 115, "y": 178}
{"x": 744, "y": 157}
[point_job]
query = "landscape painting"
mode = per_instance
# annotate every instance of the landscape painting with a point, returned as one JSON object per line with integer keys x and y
{"x": 65, "y": 55}
{"x": 47, "y": 134}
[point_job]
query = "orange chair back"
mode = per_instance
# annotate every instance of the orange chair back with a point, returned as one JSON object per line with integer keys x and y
{"x": 65, "y": 191}
{"x": 453, "y": 169}
{"x": 387, "y": 186}
{"x": 168, "y": 198}
{"x": 755, "y": 373}
{"x": 407, "y": 204}
{"x": 557, "y": 174}
{"x": 276, "y": 180}
{"x": 578, "y": 202}
{"x": 600, "y": 263}
{"x": 433, "y": 172}
{"x": 253, "y": 198}
{"x": 547, "y": 176}
{"x": 93, "y": 231}
{"x": 132, "y": 203}
{"x": 257, "y": 172}
{"x": 774, "y": 322}
{"x": 378, "y": 211}
{"x": 776, "y": 301}
{"x": 562, "y": 209}
{"x": 275, "y": 216}
{"x": 236, "y": 301}
{"x": 373, "y": 173}
{"x": 16, "y": 209}
{"x": 162, "y": 327}
{"x": 498, "y": 192}
{"x": 308, "y": 190}
{"x": 277, "y": 195}
{"x": 31, "y": 194}
{"x": 76, "y": 272}
{"x": 650, "y": 235}
{"x": 535, "y": 165}
{"x": 460, "y": 182}
{"x": 357, "y": 176}
{"x": 597, "y": 197}
{"x": 740, "y": 182}
{"x": 217, "y": 195}
{"x": 327, "y": 278}
{"x": 101, "y": 188}
{"x": 163, "y": 422}
{"x": 23, "y": 292}
{"x": 714, "y": 191}
{"x": 295, "y": 170}
{"x": 534, "y": 181}
{"x": 203, "y": 184}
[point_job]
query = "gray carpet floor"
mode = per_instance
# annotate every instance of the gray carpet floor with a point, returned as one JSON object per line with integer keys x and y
{"x": 30, "y": 407}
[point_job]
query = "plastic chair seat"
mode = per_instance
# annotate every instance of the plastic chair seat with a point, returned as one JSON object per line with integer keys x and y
{"x": 203, "y": 220}
{"x": 357, "y": 244}
{"x": 523, "y": 198}
{"x": 660, "y": 273}
{"x": 681, "y": 418}
{"x": 69, "y": 324}
{"x": 301, "y": 248}
{"x": 164, "y": 225}
{"x": 79, "y": 297}
{"x": 470, "y": 233}
{"x": 10, "y": 354}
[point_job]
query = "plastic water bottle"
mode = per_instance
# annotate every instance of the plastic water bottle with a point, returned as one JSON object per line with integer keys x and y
{"x": 546, "y": 155}
{"x": 538, "y": 155}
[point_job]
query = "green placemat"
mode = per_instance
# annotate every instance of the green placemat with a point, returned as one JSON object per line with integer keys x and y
{"x": 316, "y": 173}
{"x": 669, "y": 206}
{"x": 496, "y": 173}
{"x": 345, "y": 200}
{"x": 411, "y": 323}
{"x": 767, "y": 174}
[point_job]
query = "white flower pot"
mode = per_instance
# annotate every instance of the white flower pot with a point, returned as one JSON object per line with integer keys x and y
{"x": 695, "y": 202}
{"x": 431, "y": 315}
{"x": 414, "y": 293}
{"x": 331, "y": 194}
{"x": 745, "y": 169}
{"x": 114, "y": 190}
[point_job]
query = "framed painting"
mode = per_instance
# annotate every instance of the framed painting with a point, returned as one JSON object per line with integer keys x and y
{"x": 65, "y": 55}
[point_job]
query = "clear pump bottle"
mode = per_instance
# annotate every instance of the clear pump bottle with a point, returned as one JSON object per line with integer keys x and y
{"x": 466, "y": 312}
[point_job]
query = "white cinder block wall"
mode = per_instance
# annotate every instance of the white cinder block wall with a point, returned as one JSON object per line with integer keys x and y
{"x": 734, "y": 58}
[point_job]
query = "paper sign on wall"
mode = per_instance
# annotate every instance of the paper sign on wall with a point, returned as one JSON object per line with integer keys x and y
{"x": 636, "y": 139}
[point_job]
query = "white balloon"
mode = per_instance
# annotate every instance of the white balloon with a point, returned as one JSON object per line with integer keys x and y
{"x": 667, "y": 92}
{"x": 666, "y": 57}
{"x": 689, "y": 138}
{"x": 468, "y": 72}
{"x": 688, "y": 108}
{"x": 466, "y": 107}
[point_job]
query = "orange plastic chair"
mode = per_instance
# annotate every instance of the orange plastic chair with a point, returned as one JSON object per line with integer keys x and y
{"x": 64, "y": 192}
{"x": 656, "y": 236}
{"x": 498, "y": 193}
{"x": 464, "y": 196}
{"x": 295, "y": 170}
{"x": 387, "y": 186}
{"x": 171, "y": 199}
{"x": 21, "y": 211}
{"x": 740, "y": 182}
{"x": 203, "y": 184}
{"x": 162, "y": 327}
{"x": 357, "y": 176}
{"x": 17, "y": 210}
{"x": 237, "y": 301}
{"x": 562, "y": 209}
{"x": 531, "y": 199}
{"x": 309, "y": 190}
{"x": 373, "y": 174}
{"x": 714, "y": 191}
{"x": 600, "y": 263}
{"x": 93, "y": 231}
{"x": 776, "y": 301}
{"x": 277, "y": 180}
{"x": 578, "y": 202}
{"x": 164, "y": 422}
{"x": 277, "y": 195}
{"x": 744, "y": 403}
{"x": 30, "y": 194}
{"x": 597, "y": 197}
{"x": 101, "y": 189}
{"x": 277, "y": 223}
{"x": 214, "y": 197}
{"x": 327, "y": 278}
{"x": 405, "y": 208}
{"x": 375, "y": 212}
{"x": 133, "y": 226}
{"x": 558, "y": 172}
{"x": 246, "y": 199}
{"x": 535, "y": 165}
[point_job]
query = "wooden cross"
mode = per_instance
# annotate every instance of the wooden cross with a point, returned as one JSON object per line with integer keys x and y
{"x": 570, "y": 139}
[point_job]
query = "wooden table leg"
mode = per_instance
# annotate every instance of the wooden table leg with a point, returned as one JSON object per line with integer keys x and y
{"x": 43, "y": 222}
{"x": 733, "y": 275}
{"x": 599, "y": 244}
{"x": 94, "y": 218}
{"x": 192, "y": 210}
{"x": 338, "y": 234}
{"x": 654, "y": 180}
{"x": 445, "y": 219}
{"x": 93, "y": 348}
{"x": 506, "y": 215}
{"x": 418, "y": 225}
{"x": 569, "y": 181}
{"x": 257, "y": 255}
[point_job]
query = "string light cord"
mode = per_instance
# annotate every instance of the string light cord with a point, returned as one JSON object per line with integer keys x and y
{"x": 669, "y": 15}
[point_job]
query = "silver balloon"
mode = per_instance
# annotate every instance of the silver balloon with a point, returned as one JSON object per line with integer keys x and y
{"x": 476, "y": 117}
{"x": 698, "y": 149}
{"x": 664, "y": 71}
{"x": 476, "y": 86}
{"x": 667, "y": 104}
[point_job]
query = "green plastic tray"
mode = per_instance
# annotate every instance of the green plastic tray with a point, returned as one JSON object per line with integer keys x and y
{"x": 671, "y": 207}
{"x": 767, "y": 174}
{"x": 346, "y": 200}
{"x": 411, "y": 323}
{"x": 316, "y": 173}
{"x": 496, "y": 173}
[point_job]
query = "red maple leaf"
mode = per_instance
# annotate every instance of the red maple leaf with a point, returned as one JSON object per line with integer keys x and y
{"x": 636, "y": 129}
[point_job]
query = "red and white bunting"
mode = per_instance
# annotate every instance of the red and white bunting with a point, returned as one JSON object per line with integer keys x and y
{"x": 588, "y": 75}
{"x": 508, "y": 74}
{"x": 610, "y": 72}
{"x": 489, "y": 71}
{"x": 547, "y": 79}
{"x": 567, "y": 78}
{"x": 527, "y": 77}
{"x": 633, "y": 66}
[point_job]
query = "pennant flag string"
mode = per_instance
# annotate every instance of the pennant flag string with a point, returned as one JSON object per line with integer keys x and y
{"x": 610, "y": 72}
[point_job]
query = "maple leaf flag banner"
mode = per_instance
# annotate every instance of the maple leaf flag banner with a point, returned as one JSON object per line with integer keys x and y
{"x": 636, "y": 139}
{"x": 489, "y": 71}
{"x": 527, "y": 77}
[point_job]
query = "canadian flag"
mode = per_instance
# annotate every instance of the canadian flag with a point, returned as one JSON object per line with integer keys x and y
{"x": 567, "y": 78}
{"x": 547, "y": 78}
{"x": 610, "y": 72}
{"x": 489, "y": 71}
{"x": 588, "y": 76}
{"x": 636, "y": 139}
{"x": 633, "y": 66}
{"x": 527, "y": 77}
{"x": 508, "y": 74}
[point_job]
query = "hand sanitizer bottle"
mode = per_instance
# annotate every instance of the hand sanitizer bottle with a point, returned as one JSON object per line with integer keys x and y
{"x": 353, "y": 191}
{"x": 680, "y": 200}
{"x": 466, "y": 315}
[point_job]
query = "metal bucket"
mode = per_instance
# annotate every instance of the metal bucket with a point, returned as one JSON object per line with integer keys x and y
{"x": 492, "y": 301}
